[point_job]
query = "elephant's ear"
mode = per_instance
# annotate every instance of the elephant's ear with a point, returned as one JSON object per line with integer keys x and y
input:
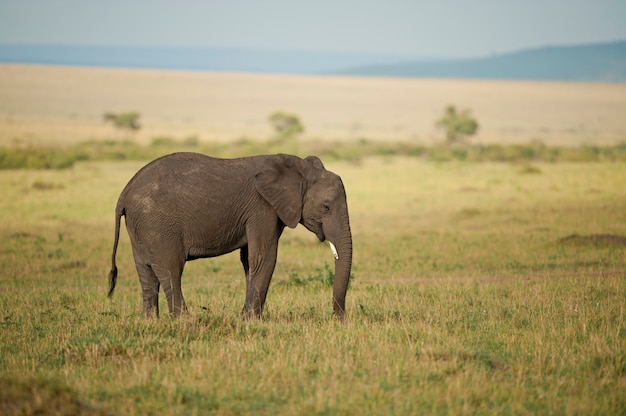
{"x": 280, "y": 183}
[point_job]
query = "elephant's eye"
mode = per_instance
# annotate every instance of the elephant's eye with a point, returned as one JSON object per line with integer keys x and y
{"x": 326, "y": 208}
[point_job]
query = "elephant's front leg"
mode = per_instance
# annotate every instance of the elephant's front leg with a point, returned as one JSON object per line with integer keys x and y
{"x": 259, "y": 267}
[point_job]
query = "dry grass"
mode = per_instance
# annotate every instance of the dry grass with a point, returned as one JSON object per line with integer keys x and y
{"x": 465, "y": 301}
{"x": 43, "y": 104}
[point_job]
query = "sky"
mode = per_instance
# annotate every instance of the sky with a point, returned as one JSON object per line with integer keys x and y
{"x": 436, "y": 28}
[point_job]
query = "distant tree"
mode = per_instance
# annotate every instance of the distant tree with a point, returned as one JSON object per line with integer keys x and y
{"x": 124, "y": 121}
{"x": 286, "y": 125}
{"x": 458, "y": 126}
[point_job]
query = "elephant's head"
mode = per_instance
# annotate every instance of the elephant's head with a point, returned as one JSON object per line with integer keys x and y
{"x": 303, "y": 191}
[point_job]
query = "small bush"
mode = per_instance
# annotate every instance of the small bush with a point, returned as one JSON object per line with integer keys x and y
{"x": 39, "y": 158}
{"x": 46, "y": 186}
{"x": 191, "y": 141}
{"x": 285, "y": 124}
{"x": 123, "y": 121}
{"x": 528, "y": 169}
{"x": 34, "y": 396}
{"x": 322, "y": 275}
{"x": 458, "y": 125}
{"x": 163, "y": 141}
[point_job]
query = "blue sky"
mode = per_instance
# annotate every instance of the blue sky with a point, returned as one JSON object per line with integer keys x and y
{"x": 441, "y": 28}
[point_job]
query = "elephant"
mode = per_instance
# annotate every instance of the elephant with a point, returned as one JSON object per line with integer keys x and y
{"x": 185, "y": 206}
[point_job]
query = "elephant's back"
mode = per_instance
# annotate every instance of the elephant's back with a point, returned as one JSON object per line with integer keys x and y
{"x": 185, "y": 176}
{"x": 174, "y": 163}
{"x": 197, "y": 165}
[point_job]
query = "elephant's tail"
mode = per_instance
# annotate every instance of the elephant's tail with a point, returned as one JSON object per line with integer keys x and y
{"x": 119, "y": 211}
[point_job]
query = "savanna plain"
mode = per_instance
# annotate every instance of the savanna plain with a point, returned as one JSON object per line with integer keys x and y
{"x": 481, "y": 285}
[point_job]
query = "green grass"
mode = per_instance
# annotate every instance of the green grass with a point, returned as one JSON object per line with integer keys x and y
{"x": 468, "y": 297}
{"x": 28, "y": 157}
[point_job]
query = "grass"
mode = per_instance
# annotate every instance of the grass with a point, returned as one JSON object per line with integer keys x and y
{"x": 488, "y": 279}
{"x": 30, "y": 157}
{"x": 470, "y": 296}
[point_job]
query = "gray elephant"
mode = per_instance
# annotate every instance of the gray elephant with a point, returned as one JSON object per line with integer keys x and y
{"x": 186, "y": 206}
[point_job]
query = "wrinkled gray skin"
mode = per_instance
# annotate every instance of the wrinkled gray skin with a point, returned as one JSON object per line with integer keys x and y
{"x": 186, "y": 206}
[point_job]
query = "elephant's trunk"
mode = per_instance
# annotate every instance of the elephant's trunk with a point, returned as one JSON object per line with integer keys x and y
{"x": 343, "y": 269}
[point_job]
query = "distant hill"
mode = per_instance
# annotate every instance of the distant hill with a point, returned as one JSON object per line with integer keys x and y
{"x": 190, "y": 58}
{"x": 597, "y": 62}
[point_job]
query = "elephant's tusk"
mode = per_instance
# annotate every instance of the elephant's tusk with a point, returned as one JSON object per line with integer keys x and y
{"x": 334, "y": 250}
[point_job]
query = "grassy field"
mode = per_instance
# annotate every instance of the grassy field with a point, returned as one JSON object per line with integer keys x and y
{"x": 40, "y": 104}
{"x": 488, "y": 279}
{"x": 480, "y": 288}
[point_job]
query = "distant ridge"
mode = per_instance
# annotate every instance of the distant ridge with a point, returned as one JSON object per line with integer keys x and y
{"x": 191, "y": 58}
{"x": 603, "y": 62}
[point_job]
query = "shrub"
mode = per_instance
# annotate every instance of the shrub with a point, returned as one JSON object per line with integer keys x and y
{"x": 458, "y": 126}
{"x": 123, "y": 121}
{"x": 162, "y": 141}
{"x": 39, "y": 158}
{"x": 322, "y": 275}
{"x": 191, "y": 141}
{"x": 285, "y": 124}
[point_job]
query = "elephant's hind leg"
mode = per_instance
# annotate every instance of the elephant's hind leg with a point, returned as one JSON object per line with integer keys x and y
{"x": 149, "y": 289}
